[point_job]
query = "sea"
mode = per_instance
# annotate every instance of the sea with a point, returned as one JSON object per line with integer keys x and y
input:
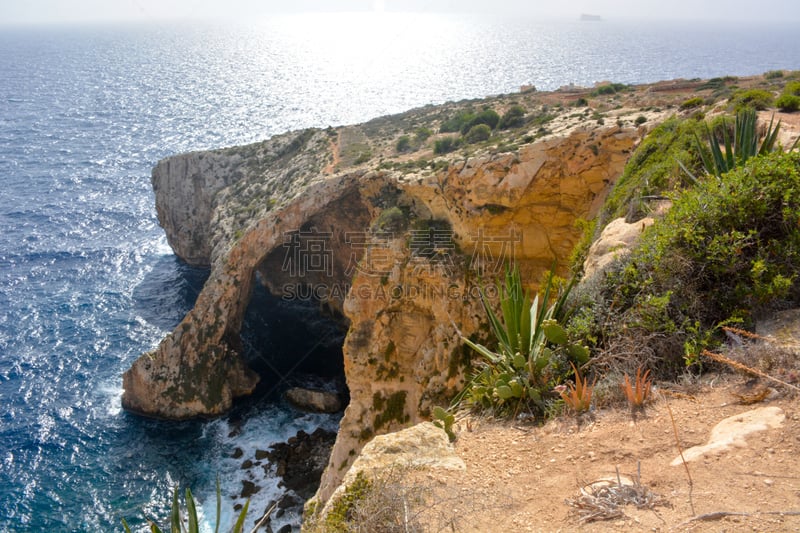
{"x": 87, "y": 279}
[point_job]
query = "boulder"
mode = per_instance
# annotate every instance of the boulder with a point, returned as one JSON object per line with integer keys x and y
{"x": 316, "y": 401}
{"x": 422, "y": 446}
{"x": 615, "y": 242}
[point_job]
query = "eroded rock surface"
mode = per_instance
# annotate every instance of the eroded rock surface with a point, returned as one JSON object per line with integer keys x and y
{"x": 732, "y": 431}
{"x": 615, "y": 242}
{"x": 420, "y": 446}
{"x": 401, "y": 248}
{"x": 316, "y": 401}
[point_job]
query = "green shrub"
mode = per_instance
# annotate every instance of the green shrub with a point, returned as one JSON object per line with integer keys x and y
{"x": 478, "y": 133}
{"x": 727, "y": 249}
{"x": 718, "y": 83}
{"x": 773, "y": 74}
{"x": 403, "y": 144}
{"x": 758, "y": 99}
{"x": 788, "y": 103}
{"x": 789, "y": 100}
{"x": 641, "y": 119}
{"x": 691, "y": 103}
{"x": 513, "y": 118}
{"x": 363, "y": 158}
{"x": 422, "y": 134}
{"x": 489, "y": 117}
{"x": 654, "y": 168}
{"x": 446, "y": 144}
{"x": 391, "y": 220}
{"x": 456, "y": 123}
{"x": 341, "y": 514}
{"x": 611, "y": 88}
{"x": 581, "y": 102}
{"x": 793, "y": 88}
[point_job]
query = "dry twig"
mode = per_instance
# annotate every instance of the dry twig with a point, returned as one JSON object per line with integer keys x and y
{"x": 603, "y": 499}
{"x": 739, "y": 366}
{"x": 685, "y": 465}
{"x": 722, "y": 514}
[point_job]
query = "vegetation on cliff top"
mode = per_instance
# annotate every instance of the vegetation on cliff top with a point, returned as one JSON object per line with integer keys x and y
{"x": 533, "y": 352}
{"x": 727, "y": 250}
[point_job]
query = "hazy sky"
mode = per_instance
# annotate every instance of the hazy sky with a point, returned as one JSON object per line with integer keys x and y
{"x": 54, "y": 11}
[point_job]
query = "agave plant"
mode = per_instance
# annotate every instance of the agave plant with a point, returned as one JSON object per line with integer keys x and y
{"x": 516, "y": 371}
{"x": 638, "y": 391}
{"x": 578, "y": 397}
{"x": 743, "y": 146}
{"x": 192, "y": 524}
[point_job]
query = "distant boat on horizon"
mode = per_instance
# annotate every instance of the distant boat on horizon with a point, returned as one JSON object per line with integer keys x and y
{"x": 590, "y": 18}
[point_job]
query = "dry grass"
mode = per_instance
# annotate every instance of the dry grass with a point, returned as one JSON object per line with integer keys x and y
{"x": 404, "y": 500}
{"x": 747, "y": 369}
{"x": 604, "y": 499}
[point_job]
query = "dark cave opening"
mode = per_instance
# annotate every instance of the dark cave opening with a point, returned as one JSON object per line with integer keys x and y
{"x": 292, "y": 343}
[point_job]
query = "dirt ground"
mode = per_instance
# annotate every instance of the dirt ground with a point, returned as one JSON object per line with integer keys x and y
{"x": 519, "y": 477}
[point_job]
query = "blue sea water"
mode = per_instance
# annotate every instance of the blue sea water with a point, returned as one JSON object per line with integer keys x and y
{"x": 87, "y": 281}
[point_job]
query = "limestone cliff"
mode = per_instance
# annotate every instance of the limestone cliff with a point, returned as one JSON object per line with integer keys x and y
{"x": 395, "y": 244}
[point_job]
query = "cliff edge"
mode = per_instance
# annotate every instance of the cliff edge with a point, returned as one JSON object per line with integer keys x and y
{"x": 389, "y": 234}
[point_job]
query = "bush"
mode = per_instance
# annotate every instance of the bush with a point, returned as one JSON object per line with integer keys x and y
{"x": 403, "y": 144}
{"x": 789, "y": 100}
{"x": 454, "y": 124}
{"x": 773, "y": 74}
{"x": 489, "y": 117}
{"x": 641, "y": 119}
{"x": 611, "y": 88}
{"x": 391, "y": 220}
{"x": 742, "y": 235}
{"x": 654, "y": 167}
{"x": 758, "y": 99}
{"x": 513, "y": 118}
{"x": 422, "y": 134}
{"x": 728, "y": 248}
{"x": 788, "y": 103}
{"x": 691, "y": 103}
{"x": 792, "y": 88}
{"x": 446, "y": 144}
{"x": 478, "y": 133}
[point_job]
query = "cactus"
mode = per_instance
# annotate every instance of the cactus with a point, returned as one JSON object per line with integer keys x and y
{"x": 444, "y": 420}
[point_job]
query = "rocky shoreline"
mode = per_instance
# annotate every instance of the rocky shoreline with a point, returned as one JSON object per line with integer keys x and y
{"x": 299, "y": 462}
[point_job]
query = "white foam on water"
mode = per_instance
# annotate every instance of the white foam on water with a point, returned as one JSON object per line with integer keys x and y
{"x": 262, "y": 429}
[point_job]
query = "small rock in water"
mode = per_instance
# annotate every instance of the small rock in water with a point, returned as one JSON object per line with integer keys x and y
{"x": 249, "y": 488}
{"x": 314, "y": 400}
{"x": 288, "y": 501}
{"x": 237, "y": 453}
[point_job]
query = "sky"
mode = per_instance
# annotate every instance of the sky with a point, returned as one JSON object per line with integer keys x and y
{"x": 66, "y": 11}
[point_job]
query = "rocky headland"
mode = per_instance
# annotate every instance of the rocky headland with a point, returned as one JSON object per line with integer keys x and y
{"x": 391, "y": 238}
